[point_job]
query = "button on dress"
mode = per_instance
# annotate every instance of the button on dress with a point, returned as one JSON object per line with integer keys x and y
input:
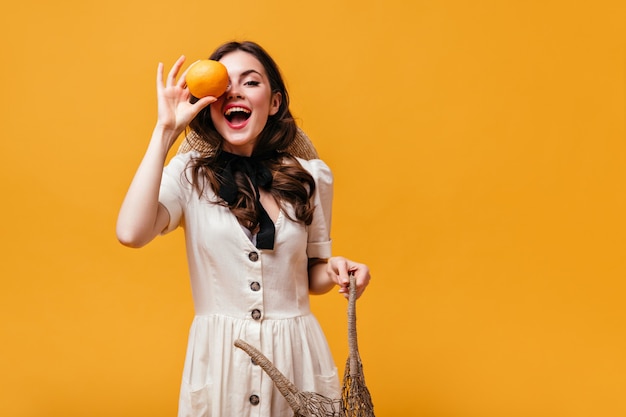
{"x": 258, "y": 295}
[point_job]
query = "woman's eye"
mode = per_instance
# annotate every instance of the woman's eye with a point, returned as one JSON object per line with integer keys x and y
{"x": 252, "y": 83}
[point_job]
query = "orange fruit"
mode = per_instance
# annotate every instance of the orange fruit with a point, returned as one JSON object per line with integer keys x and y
{"x": 207, "y": 78}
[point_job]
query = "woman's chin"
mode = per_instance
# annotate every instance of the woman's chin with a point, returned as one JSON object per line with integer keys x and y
{"x": 239, "y": 146}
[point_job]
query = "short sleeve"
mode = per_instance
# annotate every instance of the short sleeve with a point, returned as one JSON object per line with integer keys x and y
{"x": 175, "y": 190}
{"x": 319, "y": 242}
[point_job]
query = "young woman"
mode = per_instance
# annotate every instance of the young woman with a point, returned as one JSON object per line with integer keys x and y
{"x": 257, "y": 230}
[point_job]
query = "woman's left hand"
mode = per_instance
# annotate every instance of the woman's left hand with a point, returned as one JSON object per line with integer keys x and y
{"x": 339, "y": 269}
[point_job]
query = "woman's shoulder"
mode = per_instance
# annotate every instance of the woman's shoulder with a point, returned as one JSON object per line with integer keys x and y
{"x": 316, "y": 167}
{"x": 180, "y": 161}
{"x": 320, "y": 171}
{"x": 180, "y": 170}
{"x": 183, "y": 162}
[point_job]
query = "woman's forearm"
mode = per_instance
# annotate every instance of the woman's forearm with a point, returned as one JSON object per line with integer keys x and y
{"x": 320, "y": 281}
{"x": 141, "y": 217}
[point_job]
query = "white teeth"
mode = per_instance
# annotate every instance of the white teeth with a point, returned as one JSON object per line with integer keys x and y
{"x": 236, "y": 109}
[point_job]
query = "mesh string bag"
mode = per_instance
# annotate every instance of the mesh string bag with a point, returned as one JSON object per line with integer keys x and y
{"x": 356, "y": 398}
{"x": 303, "y": 404}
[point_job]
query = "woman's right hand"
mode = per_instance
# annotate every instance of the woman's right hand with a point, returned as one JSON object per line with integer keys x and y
{"x": 175, "y": 111}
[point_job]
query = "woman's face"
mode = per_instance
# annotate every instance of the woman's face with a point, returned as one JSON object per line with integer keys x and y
{"x": 240, "y": 114}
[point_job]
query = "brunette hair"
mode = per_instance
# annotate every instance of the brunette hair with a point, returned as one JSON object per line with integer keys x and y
{"x": 291, "y": 183}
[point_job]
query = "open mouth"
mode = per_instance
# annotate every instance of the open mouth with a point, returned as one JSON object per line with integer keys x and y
{"x": 237, "y": 115}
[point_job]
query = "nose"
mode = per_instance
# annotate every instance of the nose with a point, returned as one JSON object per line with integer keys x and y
{"x": 233, "y": 91}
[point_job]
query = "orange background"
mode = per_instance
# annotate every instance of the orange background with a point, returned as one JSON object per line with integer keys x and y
{"x": 479, "y": 149}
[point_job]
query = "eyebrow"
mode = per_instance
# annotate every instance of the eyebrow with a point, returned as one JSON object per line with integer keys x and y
{"x": 250, "y": 71}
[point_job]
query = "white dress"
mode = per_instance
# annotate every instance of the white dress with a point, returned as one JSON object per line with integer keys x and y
{"x": 259, "y": 296}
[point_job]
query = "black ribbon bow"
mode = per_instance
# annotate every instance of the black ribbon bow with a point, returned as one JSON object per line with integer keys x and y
{"x": 260, "y": 176}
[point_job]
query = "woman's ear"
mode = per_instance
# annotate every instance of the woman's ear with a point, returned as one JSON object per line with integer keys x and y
{"x": 275, "y": 102}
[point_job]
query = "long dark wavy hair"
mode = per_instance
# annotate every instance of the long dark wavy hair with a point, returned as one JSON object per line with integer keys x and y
{"x": 291, "y": 183}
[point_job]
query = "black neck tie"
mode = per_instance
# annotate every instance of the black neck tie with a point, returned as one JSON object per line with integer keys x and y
{"x": 260, "y": 176}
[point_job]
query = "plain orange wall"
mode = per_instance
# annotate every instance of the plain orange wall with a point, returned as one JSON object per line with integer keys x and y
{"x": 479, "y": 149}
